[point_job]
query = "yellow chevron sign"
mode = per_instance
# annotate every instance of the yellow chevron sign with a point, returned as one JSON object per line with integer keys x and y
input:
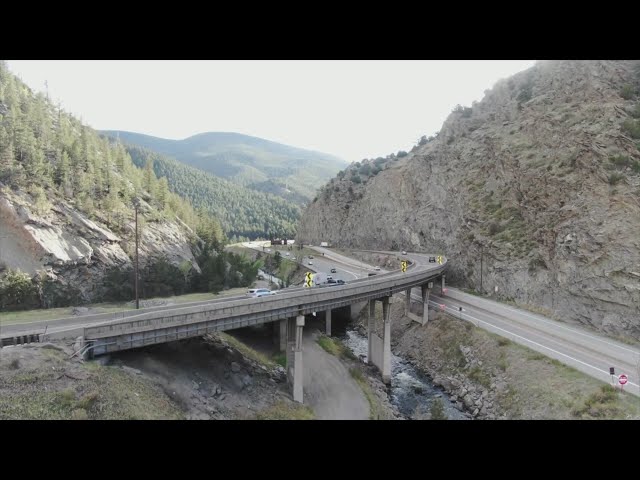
{"x": 404, "y": 265}
{"x": 439, "y": 259}
{"x": 308, "y": 281}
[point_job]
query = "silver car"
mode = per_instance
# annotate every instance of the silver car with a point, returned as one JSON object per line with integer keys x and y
{"x": 259, "y": 292}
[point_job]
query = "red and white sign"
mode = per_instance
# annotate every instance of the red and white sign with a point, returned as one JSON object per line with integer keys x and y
{"x": 622, "y": 379}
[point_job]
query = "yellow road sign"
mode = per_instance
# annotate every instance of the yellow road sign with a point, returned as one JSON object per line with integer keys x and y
{"x": 308, "y": 279}
{"x": 404, "y": 265}
{"x": 439, "y": 259}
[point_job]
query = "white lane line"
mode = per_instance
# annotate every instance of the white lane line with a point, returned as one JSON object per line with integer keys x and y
{"x": 350, "y": 272}
{"x": 636, "y": 352}
{"x": 550, "y": 337}
{"x": 458, "y": 314}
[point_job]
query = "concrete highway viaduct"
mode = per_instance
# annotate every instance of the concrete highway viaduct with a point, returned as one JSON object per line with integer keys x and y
{"x": 288, "y": 308}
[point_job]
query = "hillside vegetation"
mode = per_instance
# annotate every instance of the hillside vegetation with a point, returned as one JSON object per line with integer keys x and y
{"x": 67, "y": 223}
{"x": 258, "y": 164}
{"x": 243, "y": 213}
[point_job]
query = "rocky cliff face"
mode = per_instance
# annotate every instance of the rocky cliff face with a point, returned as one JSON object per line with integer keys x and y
{"x": 541, "y": 179}
{"x": 67, "y": 246}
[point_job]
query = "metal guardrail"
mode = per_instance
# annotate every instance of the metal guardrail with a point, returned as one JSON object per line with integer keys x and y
{"x": 19, "y": 340}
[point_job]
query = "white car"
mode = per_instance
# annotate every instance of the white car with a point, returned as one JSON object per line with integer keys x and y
{"x": 377, "y": 268}
{"x": 403, "y": 252}
{"x": 310, "y": 263}
{"x": 259, "y": 292}
{"x": 287, "y": 254}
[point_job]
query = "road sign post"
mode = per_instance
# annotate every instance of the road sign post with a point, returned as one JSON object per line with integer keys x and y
{"x": 622, "y": 380}
{"x": 308, "y": 281}
{"x": 612, "y": 372}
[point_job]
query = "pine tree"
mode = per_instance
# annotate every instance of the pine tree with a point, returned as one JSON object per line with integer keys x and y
{"x": 149, "y": 177}
{"x": 6, "y": 153}
{"x": 63, "y": 174}
{"x": 163, "y": 192}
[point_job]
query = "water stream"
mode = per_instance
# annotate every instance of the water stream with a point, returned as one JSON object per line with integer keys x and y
{"x": 411, "y": 392}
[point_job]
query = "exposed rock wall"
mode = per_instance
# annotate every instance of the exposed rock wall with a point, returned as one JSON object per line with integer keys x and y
{"x": 527, "y": 179}
{"x": 75, "y": 250}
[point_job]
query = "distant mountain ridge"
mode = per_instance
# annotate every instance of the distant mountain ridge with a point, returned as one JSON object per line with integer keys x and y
{"x": 256, "y": 163}
{"x": 242, "y": 212}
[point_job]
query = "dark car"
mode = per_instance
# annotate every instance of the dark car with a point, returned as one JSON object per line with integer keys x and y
{"x": 371, "y": 274}
{"x": 333, "y": 270}
{"x": 331, "y": 280}
{"x": 432, "y": 259}
{"x": 340, "y": 282}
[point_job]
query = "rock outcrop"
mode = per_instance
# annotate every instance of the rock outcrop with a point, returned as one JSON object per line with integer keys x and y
{"x": 67, "y": 246}
{"x": 541, "y": 179}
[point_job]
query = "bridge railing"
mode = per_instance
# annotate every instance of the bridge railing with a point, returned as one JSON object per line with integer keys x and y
{"x": 271, "y": 308}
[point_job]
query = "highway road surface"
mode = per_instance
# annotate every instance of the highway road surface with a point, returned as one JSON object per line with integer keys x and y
{"x": 584, "y": 350}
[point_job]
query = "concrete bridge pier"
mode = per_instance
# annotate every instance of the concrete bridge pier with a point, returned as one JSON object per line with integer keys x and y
{"x": 282, "y": 334}
{"x": 327, "y": 320}
{"x": 371, "y": 329}
{"x": 386, "y": 349}
{"x": 407, "y": 304}
{"x": 294, "y": 356}
{"x": 442, "y": 285}
{"x": 426, "y": 290}
{"x": 379, "y": 353}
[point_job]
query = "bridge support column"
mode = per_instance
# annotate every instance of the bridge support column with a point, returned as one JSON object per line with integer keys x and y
{"x": 407, "y": 305}
{"x": 371, "y": 329}
{"x": 298, "y": 394}
{"x": 283, "y": 335}
{"x": 386, "y": 341}
{"x": 442, "y": 285}
{"x": 327, "y": 320}
{"x": 426, "y": 289}
{"x": 294, "y": 356}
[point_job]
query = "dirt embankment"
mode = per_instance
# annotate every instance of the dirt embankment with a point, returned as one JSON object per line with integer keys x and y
{"x": 494, "y": 378}
{"x": 193, "y": 379}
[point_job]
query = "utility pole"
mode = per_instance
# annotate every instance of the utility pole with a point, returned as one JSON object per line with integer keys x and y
{"x": 136, "y": 204}
{"x": 481, "y": 255}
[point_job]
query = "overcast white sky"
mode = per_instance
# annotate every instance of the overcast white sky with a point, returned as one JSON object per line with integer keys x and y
{"x": 350, "y": 108}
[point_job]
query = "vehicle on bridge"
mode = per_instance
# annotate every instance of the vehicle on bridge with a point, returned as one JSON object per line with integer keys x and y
{"x": 310, "y": 262}
{"x": 403, "y": 252}
{"x": 333, "y": 270}
{"x": 259, "y": 292}
{"x": 377, "y": 268}
{"x": 432, "y": 259}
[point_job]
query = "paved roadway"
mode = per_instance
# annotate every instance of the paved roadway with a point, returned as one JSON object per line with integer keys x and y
{"x": 72, "y": 326}
{"x": 584, "y": 350}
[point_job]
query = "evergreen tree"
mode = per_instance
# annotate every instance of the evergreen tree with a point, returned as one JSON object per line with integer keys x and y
{"x": 149, "y": 177}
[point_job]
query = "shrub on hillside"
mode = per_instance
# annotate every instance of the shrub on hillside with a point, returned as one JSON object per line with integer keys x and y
{"x": 18, "y": 291}
{"x": 627, "y": 92}
{"x": 614, "y": 178}
{"x": 632, "y": 127}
